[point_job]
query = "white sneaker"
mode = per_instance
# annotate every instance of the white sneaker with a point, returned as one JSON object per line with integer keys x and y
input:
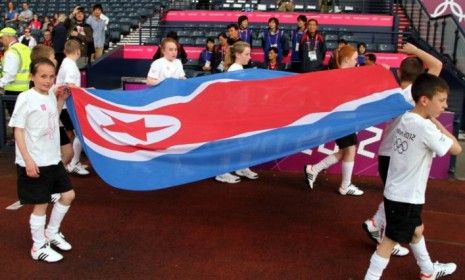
{"x": 46, "y": 254}
{"x": 228, "y": 178}
{"x": 77, "y": 169}
{"x": 400, "y": 250}
{"x": 58, "y": 240}
{"x": 440, "y": 269}
{"x": 374, "y": 233}
{"x": 246, "y": 172}
{"x": 350, "y": 190}
{"x": 85, "y": 166}
{"x": 55, "y": 197}
{"x": 310, "y": 175}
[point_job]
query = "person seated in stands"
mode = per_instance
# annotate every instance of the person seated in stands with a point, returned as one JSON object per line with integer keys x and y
{"x": 332, "y": 59}
{"x": 273, "y": 63}
{"x": 296, "y": 56}
{"x": 285, "y": 5}
{"x": 220, "y": 53}
{"x": 167, "y": 66}
{"x": 370, "y": 59}
{"x": 27, "y": 39}
{"x": 244, "y": 32}
{"x": 11, "y": 15}
{"x": 361, "y": 49}
{"x": 233, "y": 34}
{"x": 206, "y": 58}
{"x": 313, "y": 48}
{"x": 47, "y": 39}
{"x": 35, "y": 23}
{"x": 25, "y": 16}
{"x": 181, "y": 53}
{"x": 273, "y": 37}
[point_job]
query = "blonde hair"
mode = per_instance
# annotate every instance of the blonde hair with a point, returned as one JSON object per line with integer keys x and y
{"x": 72, "y": 46}
{"x": 230, "y": 57}
{"x": 41, "y": 51}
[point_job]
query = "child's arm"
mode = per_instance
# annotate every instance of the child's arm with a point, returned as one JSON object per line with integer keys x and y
{"x": 152, "y": 81}
{"x": 455, "y": 149}
{"x": 31, "y": 167}
{"x": 62, "y": 93}
{"x": 434, "y": 65}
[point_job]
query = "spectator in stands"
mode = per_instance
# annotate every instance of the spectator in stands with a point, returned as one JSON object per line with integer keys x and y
{"x": 25, "y": 16}
{"x": 361, "y": 49}
{"x": 273, "y": 37}
{"x": 167, "y": 66}
{"x": 105, "y": 19}
{"x": 324, "y": 5}
{"x": 35, "y": 23}
{"x": 220, "y": 53}
{"x": 27, "y": 39}
{"x": 46, "y": 23}
{"x": 181, "y": 53}
{"x": 83, "y": 33}
{"x": 244, "y": 32}
{"x": 370, "y": 59}
{"x": 47, "y": 40}
{"x": 273, "y": 63}
{"x": 11, "y": 15}
{"x": 346, "y": 57}
{"x": 296, "y": 57}
{"x": 98, "y": 28}
{"x": 59, "y": 36}
{"x": 285, "y": 5}
{"x": 332, "y": 59}
{"x": 233, "y": 33}
{"x": 313, "y": 48}
{"x": 206, "y": 58}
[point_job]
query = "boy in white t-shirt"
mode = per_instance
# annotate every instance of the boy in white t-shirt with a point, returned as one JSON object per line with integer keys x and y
{"x": 40, "y": 170}
{"x": 69, "y": 75}
{"x": 418, "y": 137}
{"x": 167, "y": 66}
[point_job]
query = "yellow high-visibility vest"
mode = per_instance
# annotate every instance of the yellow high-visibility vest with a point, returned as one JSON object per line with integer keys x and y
{"x": 22, "y": 78}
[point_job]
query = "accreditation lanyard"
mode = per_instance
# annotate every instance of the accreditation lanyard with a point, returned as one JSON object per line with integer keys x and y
{"x": 244, "y": 34}
{"x": 312, "y": 51}
{"x": 276, "y": 39}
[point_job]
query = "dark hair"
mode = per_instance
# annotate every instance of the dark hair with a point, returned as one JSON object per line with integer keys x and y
{"x": 410, "y": 68}
{"x": 38, "y": 62}
{"x": 81, "y": 9}
{"x": 428, "y": 85}
{"x": 210, "y": 39}
{"x": 172, "y": 35}
{"x": 97, "y": 6}
{"x": 302, "y": 18}
{"x": 223, "y": 34}
{"x": 342, "y": 41}
{"x": 314, "y": 20}
{"x": 361, "y": 44}
{"x": 241, "y": 19}
{"x": 371, "y": 57}
{"x": 232, "y": 25}
{"x": 273, "y": 19}
{"x": 275, "y": 49}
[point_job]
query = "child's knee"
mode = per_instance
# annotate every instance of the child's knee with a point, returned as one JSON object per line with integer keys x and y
{"x": 418, "y": 234}
{"x": 68, "y": 197}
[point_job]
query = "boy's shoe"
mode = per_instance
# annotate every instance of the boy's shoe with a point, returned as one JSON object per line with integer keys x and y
{"x": 83, "y": 165}
{"x": 58, "y": 240}
{"x": 228, "y": 178}
{"x": 350, "y": 190}
{"x": 373, "y": 232}
{"x": 310, "y": 175}
{"x": 77, "y": 169}
{"x": 400, "y": 250}
{"x": 440, "y": 270}
{"x": 246, "y": 172}
{"x": 46, "y": 254}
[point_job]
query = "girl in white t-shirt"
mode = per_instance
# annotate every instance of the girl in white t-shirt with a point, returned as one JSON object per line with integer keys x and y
{"x": 240, "y": 54}
{"x": 40, "y": 170}
{"x": 167, "y": 66}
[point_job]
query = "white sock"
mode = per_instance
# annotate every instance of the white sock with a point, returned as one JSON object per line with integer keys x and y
{"x": 77, "y": 149}
{"x": 324, "y": 163}
{"x": 380, "y": 217}
{"x": 377, "y": 266}
{"x": 347, "y": 168}
{"x": 37, "y": 224}
{"x": 422, "y": 256}
{"x": 58, "y": 213}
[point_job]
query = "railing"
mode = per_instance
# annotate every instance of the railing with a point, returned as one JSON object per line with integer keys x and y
{"x": 443, "y": 33}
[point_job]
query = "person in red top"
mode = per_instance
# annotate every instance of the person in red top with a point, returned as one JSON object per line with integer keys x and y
{"x": 35, "y": 22}
{"x": 273, "y": 63}
{"x": 47, "y": 38}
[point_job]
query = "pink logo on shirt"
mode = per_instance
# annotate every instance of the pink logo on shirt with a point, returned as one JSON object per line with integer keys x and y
{"x": 43, "y": 107}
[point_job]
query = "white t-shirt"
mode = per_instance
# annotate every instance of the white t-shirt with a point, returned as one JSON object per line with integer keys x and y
{"x": 235, "y": 67}
{"x": 37, "y": 114}
{"x": 68, "y": 74}
{"x": 416, "y": 141}
{"x": 385, "y": 148}
{"x": 162, "y": 69}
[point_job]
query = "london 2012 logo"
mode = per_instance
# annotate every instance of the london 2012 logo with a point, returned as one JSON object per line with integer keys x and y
{"x": 445, "y": 7}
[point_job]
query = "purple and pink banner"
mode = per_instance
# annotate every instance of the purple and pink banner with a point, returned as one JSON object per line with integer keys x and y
{"x": 445, "y": 7}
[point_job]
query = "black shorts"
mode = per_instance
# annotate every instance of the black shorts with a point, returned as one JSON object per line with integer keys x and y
{"x": 64, "y": 139}
{"x": 383, "y": 167}
{"x": 52, "y": 179}
{"x": 66, "y": 120}
{"x": 401, "y": 220}
{"x": 347, "y": 141}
